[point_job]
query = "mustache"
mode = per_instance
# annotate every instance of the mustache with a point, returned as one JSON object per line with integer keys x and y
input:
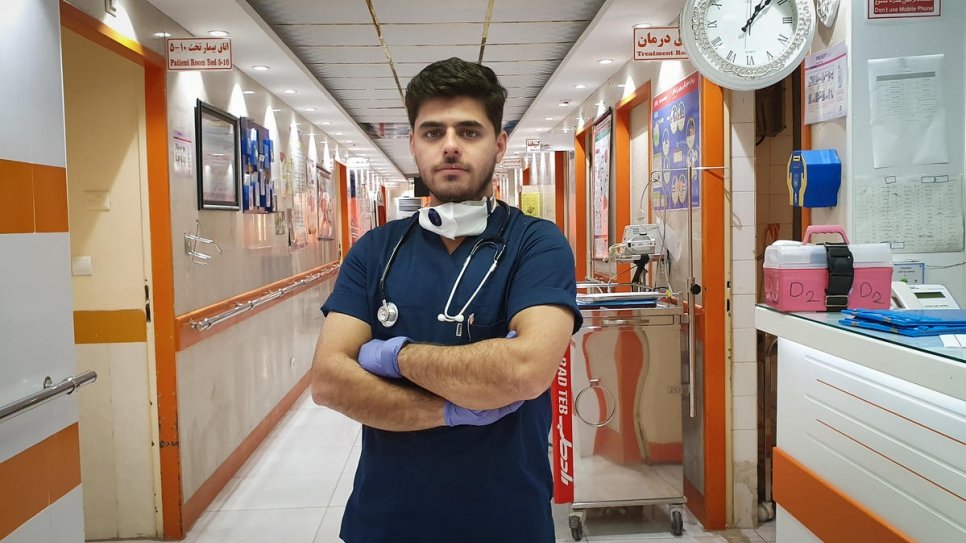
{"x": 446, "y": 165}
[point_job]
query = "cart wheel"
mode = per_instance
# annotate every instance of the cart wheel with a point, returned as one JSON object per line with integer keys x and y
{"x": 677, "y": 523}
{"x": 576, "y": 527}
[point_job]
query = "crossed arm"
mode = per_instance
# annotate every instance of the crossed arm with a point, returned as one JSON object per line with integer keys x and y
{"x": 483, "y": 375}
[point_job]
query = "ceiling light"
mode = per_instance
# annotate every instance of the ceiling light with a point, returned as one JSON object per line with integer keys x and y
{"x": 643, "y": 25}
{"x": 260, "y": 68}
{"x": 248, "y": 92}
{"x": 310, "y": 109}
{"x": 290, "y": 91}
{"x": 580, "y": 86}
{"x": 276, "y": 109}
{"x": 348, "y": 141}
{"x": 326, "y": 123}
{"x": 218, "y": 33}
{"x": 621, "y": 85}
{"x": 548, "y": 118}
{"x": 564, "y": 103}
{"x": 162, "y": 35}
{"x": 337, "y": 133}
{"x": 605, "y": 61}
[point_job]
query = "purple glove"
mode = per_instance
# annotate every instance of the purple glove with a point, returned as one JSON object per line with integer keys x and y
{"x": 381, "y": 358}
{"x": 455, "y": 415}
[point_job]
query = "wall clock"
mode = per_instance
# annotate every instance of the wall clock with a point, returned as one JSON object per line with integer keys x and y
{"x": 827, "y": 10}
{"x": 747, "y": 44}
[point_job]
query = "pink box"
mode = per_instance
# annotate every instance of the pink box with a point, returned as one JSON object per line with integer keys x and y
{"x": 796, "y": 275}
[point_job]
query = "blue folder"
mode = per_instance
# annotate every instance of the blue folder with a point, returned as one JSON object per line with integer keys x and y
{"x": 911, "y": 317}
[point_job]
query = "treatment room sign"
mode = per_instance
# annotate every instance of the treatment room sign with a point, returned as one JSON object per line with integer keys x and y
{"x": 199, "y": 53}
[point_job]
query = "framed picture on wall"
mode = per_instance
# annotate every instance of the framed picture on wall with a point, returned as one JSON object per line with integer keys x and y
{"x": 600, "y": 198}
{"x": 326, "y": 211}
{"x": 216, "y": 134}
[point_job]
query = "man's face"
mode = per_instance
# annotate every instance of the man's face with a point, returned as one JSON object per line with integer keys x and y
{"x": 456, "y": 149}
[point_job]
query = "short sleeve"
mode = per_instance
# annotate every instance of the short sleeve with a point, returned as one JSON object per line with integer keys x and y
{"x": 350, "y": 295}
{"x": 545, "y": 272}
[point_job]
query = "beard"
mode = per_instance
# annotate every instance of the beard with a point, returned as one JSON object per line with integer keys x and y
{"x": 445, "y": 191}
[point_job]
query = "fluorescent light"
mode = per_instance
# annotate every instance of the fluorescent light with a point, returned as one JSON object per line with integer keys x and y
{"x": 580, "y": 86}
{"x": 310, "y": 109}
{"x": 548, "y": 118}
{"x": 290, "y": 91}
{"x": 337, "y": 133}
{"x": 218, "y": 33}
{"x": 326, "y": 123}
{"x": 260, "y": 68}
{"x": 643, "y": 25}
{"x": 605, "y": 61}
{"x": 162, "y": 35}
{"x": 276, "y": 109}
{"x": 621, "y": 85}
{"x": 248, "y": 92}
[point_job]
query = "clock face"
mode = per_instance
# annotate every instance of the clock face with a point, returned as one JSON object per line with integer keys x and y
{"x": 747, "y": 44}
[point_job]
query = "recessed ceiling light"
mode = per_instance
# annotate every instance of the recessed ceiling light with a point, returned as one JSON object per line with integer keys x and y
{"x": 564, "y": 103}
{"x": 290, "y": 91}
{"x": 248, "y": 92}
{"x": 643, "y": 25}
{"x": 310, "y": 109}
{"x": 162, "y": 35}
{"x": 276, "y": 109}
{"x": 605, "y": 61}
{"x": 548, "y": 118}
{"x": 326, "y": 123}
{"x": 348, "y": 141}
{"x": 621, "y": 85}
{"x": 260, "y": 68}
{"x": 218, "y": 33}
{"x": 337, "y": 133}
{"x": 580, "y": 86}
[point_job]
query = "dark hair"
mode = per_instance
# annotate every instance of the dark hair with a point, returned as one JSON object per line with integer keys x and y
{"x": 456, "y": 77}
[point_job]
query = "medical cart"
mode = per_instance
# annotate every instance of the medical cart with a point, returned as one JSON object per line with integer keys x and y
{"x": 619, "y": 407}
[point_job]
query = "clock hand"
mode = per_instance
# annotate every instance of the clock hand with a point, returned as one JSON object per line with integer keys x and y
{"x": 761, "y": 5}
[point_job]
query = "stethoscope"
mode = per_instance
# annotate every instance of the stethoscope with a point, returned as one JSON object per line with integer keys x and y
{"x": 388, "y": 313}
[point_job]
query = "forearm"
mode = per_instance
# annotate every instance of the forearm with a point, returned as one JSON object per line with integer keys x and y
{"x": 340, "y": 384}
{"x": 482, "y": 375}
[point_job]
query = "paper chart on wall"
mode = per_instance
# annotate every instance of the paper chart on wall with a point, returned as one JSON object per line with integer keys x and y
{"x": 908, "y": 112}
{"x": 914, "y": 213}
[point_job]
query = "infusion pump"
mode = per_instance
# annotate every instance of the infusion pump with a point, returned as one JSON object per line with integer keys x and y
{"x": 908, "y": 296}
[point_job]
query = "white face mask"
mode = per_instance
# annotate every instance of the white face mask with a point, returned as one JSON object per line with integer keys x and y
{"x": 456, "y": 219}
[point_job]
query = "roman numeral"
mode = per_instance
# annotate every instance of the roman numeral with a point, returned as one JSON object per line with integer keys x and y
{"x": 749, "y": 60}
{"x": 786, "y": 20}
{"x": 771, "y": 57}
{"x": 782, "y": 2}
{"x": 732, "y": 56}
{"x": 716, "y": 42}
{"x": 783, "y": 39}
{"x": 715, "y": 4}
{"x": 713, "y": 24}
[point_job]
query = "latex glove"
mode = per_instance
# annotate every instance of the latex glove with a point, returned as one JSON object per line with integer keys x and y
{"x": 454, "y": 415}
{"x": 381, "y": 358}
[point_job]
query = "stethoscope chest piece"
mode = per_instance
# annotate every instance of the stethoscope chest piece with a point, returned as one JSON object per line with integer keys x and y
{"x": 387, "y": 314}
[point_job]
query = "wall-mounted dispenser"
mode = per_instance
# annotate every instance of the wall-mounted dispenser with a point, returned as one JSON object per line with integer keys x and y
{"x": 814, "y": 178}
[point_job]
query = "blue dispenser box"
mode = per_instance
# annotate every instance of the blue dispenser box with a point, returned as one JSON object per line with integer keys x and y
{"x": 814, "y": 178}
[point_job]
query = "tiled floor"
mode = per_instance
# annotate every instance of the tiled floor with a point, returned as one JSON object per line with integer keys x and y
{"x": 295, "y": 487}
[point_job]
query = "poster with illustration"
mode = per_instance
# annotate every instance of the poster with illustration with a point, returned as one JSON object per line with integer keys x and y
{"x": 676, "y": 145}
{"x": 326, "y": 211}
{"x": 601, "y": 185}
{"x": 311, "y": 201}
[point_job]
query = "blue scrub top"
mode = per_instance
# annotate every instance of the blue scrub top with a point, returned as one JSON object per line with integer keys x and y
{"x": 465, "y": 483}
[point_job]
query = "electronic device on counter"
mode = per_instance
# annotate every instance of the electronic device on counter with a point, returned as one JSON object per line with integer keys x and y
{"x": 906, "y": 296}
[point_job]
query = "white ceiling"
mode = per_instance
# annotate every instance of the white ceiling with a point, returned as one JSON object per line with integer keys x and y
{"x": 331, "y": 52}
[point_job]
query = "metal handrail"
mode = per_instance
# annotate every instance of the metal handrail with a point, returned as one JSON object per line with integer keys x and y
{"x": 49, "y": 392}
{"x": 242, "y": 307}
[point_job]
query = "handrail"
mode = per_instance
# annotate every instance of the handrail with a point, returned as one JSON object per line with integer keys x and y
{"x": 242, "y": 307}
{"x": 49, "y": 392}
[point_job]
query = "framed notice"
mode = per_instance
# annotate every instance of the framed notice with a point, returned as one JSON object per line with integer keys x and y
{"x": 600, "y": 164}
{"x": 676, "y": 145}
{"x": 902, "y": 9}
{"x": 326, "y": 211}
{"x": 216, "y": 134}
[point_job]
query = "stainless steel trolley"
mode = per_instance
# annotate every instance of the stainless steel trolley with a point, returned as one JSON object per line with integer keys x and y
{"x": 623, "y": 384}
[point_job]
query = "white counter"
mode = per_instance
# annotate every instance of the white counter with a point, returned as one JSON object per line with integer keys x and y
{"x": 871, "y": 433}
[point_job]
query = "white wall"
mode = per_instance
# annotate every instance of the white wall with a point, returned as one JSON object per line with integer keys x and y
{"x": 886, "y": 39}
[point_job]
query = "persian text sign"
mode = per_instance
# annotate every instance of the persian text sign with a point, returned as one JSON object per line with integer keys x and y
{"x": 892, "y": 9}
{"x": 199, "y": 53}
{"x": 658, "y": 43}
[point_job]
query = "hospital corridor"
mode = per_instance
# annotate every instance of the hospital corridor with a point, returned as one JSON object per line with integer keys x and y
{"x": 483, "y": 271}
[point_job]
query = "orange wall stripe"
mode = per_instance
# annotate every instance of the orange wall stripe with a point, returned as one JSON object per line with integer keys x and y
{"x": 580, "y": 199}
{"x": 105, "y": 36}
{"x": 195, "y": 506}
{"x": 17, "y": 187}
{"x": 121, "y": 326}
{"x": 806, "y": 215}
{"x": 50, "y": 199}
{"x": 188, "y": 336}
{"x": 37, "y": 477}
{"x": 526, "y": 176}
{"x": 713, "y": 298}
{"x": 343, "y": 207}
{"x": 829, "y": 513}
{"x": 560, "y": 186}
